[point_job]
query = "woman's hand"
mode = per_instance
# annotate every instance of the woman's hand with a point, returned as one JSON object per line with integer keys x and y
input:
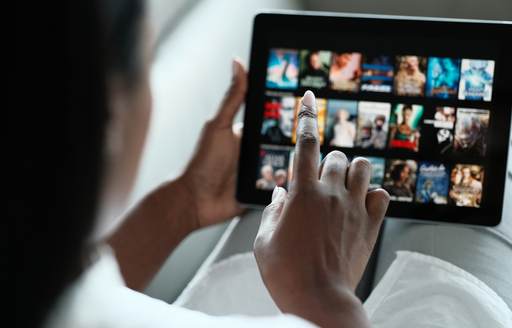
{"x": 203, "y": 195}
{"x": 210, "y": 178}
{"x": 315, "y": 241}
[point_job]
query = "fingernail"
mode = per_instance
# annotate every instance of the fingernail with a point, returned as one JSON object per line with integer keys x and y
{"x": 234, "y": 67}
{"x": 309, "y": 99}
{"x": 275, "y": 192}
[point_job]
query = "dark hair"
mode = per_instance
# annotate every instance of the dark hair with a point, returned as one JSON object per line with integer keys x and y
{"x": 309, "y": 55}
{"x": 396, "y": 171}
{"x": 61, "y": 139}
{"x": 406, "y": 107}
{"x": 380, "y": 117}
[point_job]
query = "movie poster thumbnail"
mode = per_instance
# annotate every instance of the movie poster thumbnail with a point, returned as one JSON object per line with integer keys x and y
{"x": 378, "y": 167}
{"x": 377, "y": 74}
{"x": 321, "y": 108}
{"x": 466, "y": 185}
{"x": 400, "y": 179}
{"x": 476, "y": 79}
{"x": 471, "y": 131}
{"x": 438, "y": 129}
{"x": 404, "y": 127}
{"x": 278, "y": 119}
{"x": 433, "y": 182}
{"x": 372, "y": 124}
{"x": 410, "y": 75}
{"x": 273, "y": 167}
{"x": 340, "y": 130}
{"x": 314, "y": 68}
{"x": 283, "y": 69}
{"x": 345, "y": 71}
{"x": 443, "y": 77}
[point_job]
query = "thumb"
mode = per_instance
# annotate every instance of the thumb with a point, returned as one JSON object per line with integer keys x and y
{"x": 271, "y": 215}
{"x": 234, "y": 97}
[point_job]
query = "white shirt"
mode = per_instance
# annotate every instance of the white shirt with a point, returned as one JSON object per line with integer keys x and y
{"x": 100, "y": 298}
{"x": 416, "y": 291}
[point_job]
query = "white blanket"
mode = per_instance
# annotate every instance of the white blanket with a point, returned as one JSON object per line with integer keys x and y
{"x": 417, "y": 291}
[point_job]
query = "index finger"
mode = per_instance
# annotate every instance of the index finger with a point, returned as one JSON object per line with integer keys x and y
{"x": 307, "y": 149}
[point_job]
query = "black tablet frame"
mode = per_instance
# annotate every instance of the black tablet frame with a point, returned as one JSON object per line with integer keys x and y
{"x": 450, "y": 37}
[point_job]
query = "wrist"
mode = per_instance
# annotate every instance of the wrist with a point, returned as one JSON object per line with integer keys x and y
{"x": 182, "y": 204}
{"x": 332, "y": 307}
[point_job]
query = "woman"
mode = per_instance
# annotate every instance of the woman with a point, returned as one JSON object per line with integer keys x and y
{"x": 344, "y": 131}
{"x": 400, "y": 185}
{"x": 84, "y": 161}
{"x": 345, "y": 71}
{"x": 403, "y": 135}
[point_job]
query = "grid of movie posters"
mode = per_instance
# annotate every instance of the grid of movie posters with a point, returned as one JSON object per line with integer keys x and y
{"x": 403, "y": 75}
{"x": 422, "y": 152}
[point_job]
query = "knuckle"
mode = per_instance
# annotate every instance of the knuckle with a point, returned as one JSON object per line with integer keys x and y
{"x": 361, "y": 163}
{"x": 210, "y": 124}
{"x": 334, "y": 199}
{"x": 337, "y": 154}
{"x": 268, "y": 210}
{"x": 259, "y": 244}
{"x": 335, "y": 164}
{"x": 336, "y": 157}
{"x": 385, "y": 196}
{"x": 332, "y": 169}
{"x": 355, "y": 218}
{"x": 308, "y": 138}
{"x": 307, "y": 112}
{"x": 271, "y": 208}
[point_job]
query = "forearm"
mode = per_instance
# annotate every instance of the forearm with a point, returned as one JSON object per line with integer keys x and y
{"x": 151, "y": 231}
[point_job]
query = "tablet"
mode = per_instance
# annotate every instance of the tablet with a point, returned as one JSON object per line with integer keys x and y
{"x": 426, "y": 101}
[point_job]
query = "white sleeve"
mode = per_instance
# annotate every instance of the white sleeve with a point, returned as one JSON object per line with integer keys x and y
{"x": 144, "y": 311}
{"x": 100, "y": 299}
{"x": 424, "y": 291}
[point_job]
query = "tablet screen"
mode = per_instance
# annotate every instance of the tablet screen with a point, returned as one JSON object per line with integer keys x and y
{"x": 421, "y": 108}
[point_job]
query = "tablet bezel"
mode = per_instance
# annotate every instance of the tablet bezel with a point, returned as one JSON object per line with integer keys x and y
{"x": 299, "y": 23}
